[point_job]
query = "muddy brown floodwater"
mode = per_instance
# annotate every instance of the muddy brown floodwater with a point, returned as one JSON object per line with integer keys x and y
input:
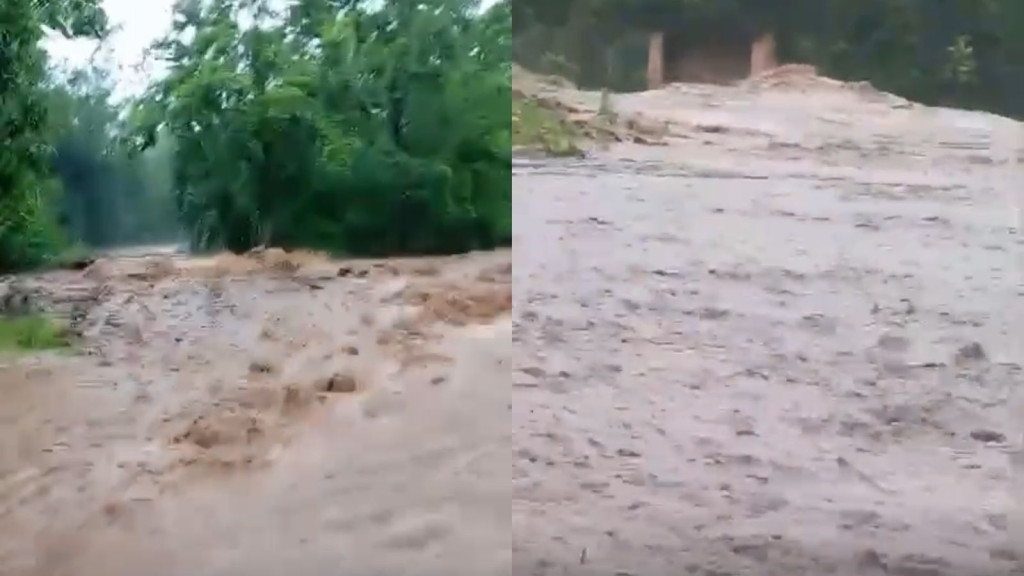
{"x": 273, "y": 414}
{"x": 783, "y": 343}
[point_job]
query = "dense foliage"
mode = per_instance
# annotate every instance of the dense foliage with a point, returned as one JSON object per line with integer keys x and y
{"x": 63, "y": 178}
{"x": 338, "y": 125}
{"x": 28, "y": 230}
{"x": 366, "y": 127}
{"x": 954, "y": 52}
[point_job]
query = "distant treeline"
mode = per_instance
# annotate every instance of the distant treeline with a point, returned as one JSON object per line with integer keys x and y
{"x": 965, "y": 53}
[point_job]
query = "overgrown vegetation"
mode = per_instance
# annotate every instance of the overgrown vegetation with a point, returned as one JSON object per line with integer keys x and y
{"x": 357, "y": 126}
{"x": 534, "y": 126}
{"x": 966, "y": 53}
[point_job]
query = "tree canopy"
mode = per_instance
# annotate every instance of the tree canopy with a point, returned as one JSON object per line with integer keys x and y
{"x": 368, "y": 130}
{"x": 28, "y": 230}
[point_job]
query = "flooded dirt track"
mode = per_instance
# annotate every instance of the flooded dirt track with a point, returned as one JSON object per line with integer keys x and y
{"x": 761, "y": 365}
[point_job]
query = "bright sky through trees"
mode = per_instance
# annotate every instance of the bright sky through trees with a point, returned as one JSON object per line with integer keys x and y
{"x": 140, "y": 23}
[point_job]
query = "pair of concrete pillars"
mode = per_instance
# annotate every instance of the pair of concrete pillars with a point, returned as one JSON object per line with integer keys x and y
{"x": 762, "y": 57}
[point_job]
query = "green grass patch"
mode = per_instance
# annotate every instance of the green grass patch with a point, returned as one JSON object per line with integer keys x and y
{"x": 534, "y": 126}
{"x": 32, "y": 333}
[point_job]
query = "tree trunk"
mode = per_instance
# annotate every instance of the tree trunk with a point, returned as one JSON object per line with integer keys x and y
{"x": 590, "y": 67}
{"x": 762, "y": 54}
{"x": 656, "y": 60}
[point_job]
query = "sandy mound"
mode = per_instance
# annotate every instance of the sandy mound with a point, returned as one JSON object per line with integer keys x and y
{"x": 790, "y": 75}
{"x": 805, "y": 78}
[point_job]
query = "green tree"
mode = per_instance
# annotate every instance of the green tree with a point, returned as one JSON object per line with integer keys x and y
{"x": 28, "y": 233}
{"x": 337, "y": 125}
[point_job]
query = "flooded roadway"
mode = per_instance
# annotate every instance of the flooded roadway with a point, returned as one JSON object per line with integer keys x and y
{"x": 787, "y": 342}
{"x": 734, "y": 374}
